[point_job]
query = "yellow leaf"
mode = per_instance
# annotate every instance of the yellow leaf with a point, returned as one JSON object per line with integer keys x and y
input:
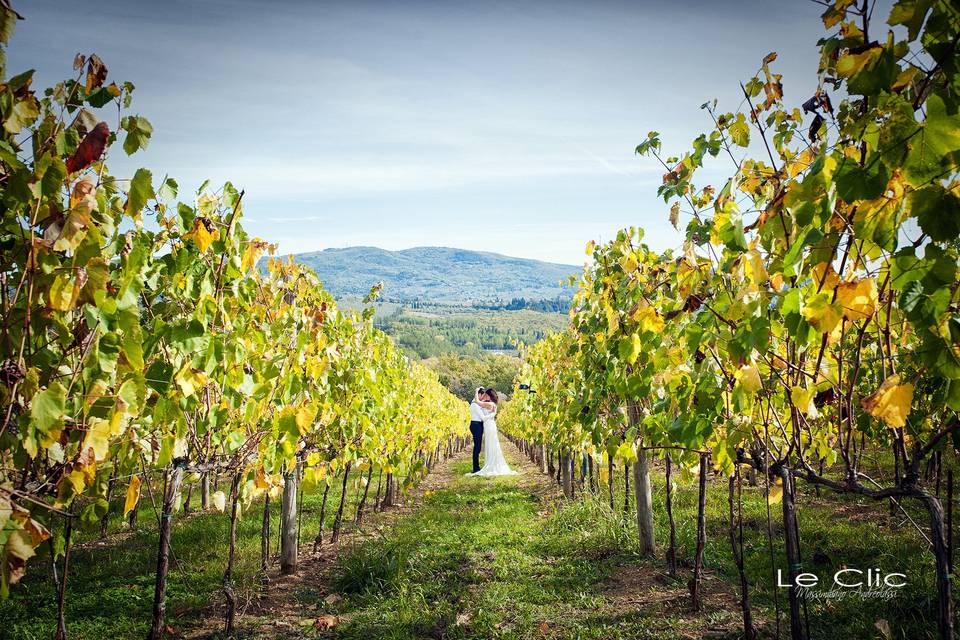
{"x": 64, "y": 293}
{"x": 133, "y": 495}
{"x": 590, "y": 247}
{"x": 775, "y": 495}
{"x": 73, "y": 231}
{"x": 821, "y": 313}
{"x": 740, "y": 131}
{"x": 891, "y": 402}
{"x": 255, "y": 250}
{"x": 802, "y": 399}
{"x": 858, "y": 299}
{"x": 304, "y": 418}
{"x": 749, "y": 378}
{"x": 613, "y": 320}
{"x": 629, "y": 263}
{"x": 754, "y": 268}
{"x": 904, "y": 79}
{"x": 78, "y": 478}
{"x": 190, "y": 379}
{"x": 824, "y": 276}
{"x": 260, "y": 479}
{"x": 776, "y": 281}
{"x": 200, "y": 236}
{"x": 648, "y": 319}
{"x": 98, "y": 436}
{"x": 852, "y": 63}
{"x": 626, "y": 453}
{"x": 219, "y": 500}
{"x": 636, "y": 348}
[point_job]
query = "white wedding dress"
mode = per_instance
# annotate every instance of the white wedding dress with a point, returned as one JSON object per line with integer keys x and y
{"x": 494, "y": 464}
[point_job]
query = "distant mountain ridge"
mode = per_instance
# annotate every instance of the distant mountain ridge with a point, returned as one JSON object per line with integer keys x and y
{"x": 438, "y": 274}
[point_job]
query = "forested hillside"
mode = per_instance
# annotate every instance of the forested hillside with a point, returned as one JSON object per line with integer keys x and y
{"x": 438, "y": 274}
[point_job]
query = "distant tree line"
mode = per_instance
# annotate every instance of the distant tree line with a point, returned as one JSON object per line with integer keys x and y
{"x": 463, "y": 374}
{"x": 560, "y": 304}
{"x": 424, "y": 336}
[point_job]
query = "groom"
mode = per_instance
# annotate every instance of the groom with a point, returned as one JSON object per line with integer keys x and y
{"x": 476, "y": 425}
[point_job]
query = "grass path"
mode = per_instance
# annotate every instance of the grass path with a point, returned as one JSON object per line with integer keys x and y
{"x": 477, "y": 558}
{"x": 494, "y": 558}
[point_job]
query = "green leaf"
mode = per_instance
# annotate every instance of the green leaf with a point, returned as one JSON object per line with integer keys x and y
{"x": 54, "y": 175}
{"x": 937, "y": 211}
{"x": 627, "y": 453}
{"x": 630, "y": 348}
{"x": 100, "y": 97}
{"x": 138, "y": 131}
{"x": 132, "y": 349}
{"x": 47, "y": 411}
{"x": 910, "y": 13}
{"x": 953, "y": 394}
{"x": 861, "y": 183}
{"x": 185, "y": 217}
{"x": 108, "y": 352}
{"x": 936, "y": 149}
{"x": 159, "y": 375}
{"x": 23, "y": 113}
{"x": 168, "y": 190}
{"x": 141, "y": 190}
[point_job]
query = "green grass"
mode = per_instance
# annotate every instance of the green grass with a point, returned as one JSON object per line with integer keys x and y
{"x": 486, "y": 552}
{"x": 491, "y": 558}
{"x": 478, "y": 551}
{"x": 836, "y": 531}
{"x": 110, "y": 587}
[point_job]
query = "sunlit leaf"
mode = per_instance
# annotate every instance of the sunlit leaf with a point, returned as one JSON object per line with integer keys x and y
{"x": 891, "y": 402}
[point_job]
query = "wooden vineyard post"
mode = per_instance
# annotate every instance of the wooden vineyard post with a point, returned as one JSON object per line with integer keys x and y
{"x": 644, "y": 491}
{"x": 288, "y": 523}
{"x": 672, "y": 550}
{"x": 175, "y": 477}
{"x": 335, "y": 532}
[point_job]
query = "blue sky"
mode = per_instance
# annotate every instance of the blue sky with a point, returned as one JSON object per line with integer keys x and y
{"x": 501, "y": 126}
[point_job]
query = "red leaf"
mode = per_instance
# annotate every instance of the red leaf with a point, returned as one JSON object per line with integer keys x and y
{"x": 90, "y": 149}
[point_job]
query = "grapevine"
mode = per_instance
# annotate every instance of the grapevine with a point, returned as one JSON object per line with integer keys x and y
{"x": 811, "y": 314}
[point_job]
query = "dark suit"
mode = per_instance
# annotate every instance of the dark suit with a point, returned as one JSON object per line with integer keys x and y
{"x": 476, "y": 428}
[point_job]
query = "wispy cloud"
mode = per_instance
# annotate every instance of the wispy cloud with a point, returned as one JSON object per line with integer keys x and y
{"x": 401, "y": 124}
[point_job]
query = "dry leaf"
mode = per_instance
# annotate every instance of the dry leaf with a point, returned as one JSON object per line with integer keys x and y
{"x": 675, "y": 215}
{"x": 884, "y": 627}
{"x": 463, "y": 619}
{"x": 325, "y": 622}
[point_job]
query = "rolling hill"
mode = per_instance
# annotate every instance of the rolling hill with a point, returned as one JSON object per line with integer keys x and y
{"x": 438, "y": 274}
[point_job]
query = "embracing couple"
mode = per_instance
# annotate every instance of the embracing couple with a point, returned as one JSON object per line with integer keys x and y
{"x": 483, "y": 426}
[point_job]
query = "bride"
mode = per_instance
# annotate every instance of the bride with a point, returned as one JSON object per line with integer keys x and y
{"x": 494, "y": 464}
